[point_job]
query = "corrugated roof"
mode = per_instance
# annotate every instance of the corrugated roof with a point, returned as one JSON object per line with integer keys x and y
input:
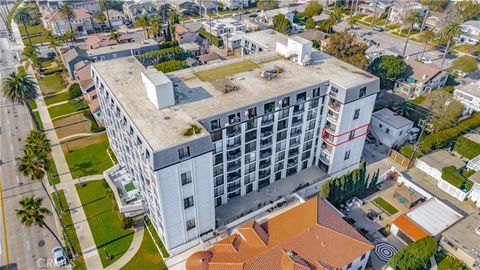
{"x": 409, "y": 228}
{"x": 311, "y": 234}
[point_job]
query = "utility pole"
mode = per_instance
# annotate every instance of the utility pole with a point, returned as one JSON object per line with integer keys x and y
{"x": 374, "y": 12}
{"x": 423, "y": 124}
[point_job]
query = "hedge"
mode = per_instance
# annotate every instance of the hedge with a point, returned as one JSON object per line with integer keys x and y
{"x": 50, "y": 71}
{"x": 443, "y": 137}
{"x": 213, "y": 39}
{"x": 172, "y": 65}
{"x": 451, "y": 175}
{"x": 467, "y": 147}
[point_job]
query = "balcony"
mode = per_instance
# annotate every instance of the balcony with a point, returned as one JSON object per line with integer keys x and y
{"x": 327, "y": 148}
{"x": 292, "y": 163}
{"x": 324, "y": 158}
{"x": 265, "y": 164}
{"x": 264, "y": 174}
{"x": 233, "y": 166}
{"x": 234, "y": 187}
{"x": 296, "y": 132}
{"x": 265, "y": 132}
{"x": 283, "y": 114}
{"x": 293, "y": 152}
{"x": 251, "y": 124}
{"x": 297, "y": 121}
{"x": 267, "y": 119}
{"x": 234, "y": 131}
{"x": 265, "y": 153}
{"x": 234, "y": 145}
{"x": 332, "y": 116}
{"x": 266, "y": 143}
{"x": 233, "y": 176}
{"x": 328, "y": 137}
{"x": 234, "y": 154}
{"x": 298, "y": 109}
{"x": 331, "y": 127}
{"x": 334, "y": 105}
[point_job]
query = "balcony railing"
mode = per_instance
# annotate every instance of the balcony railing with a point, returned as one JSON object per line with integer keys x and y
{"x": 334, "y": 106}
{"x": 266, "y": 133}
{"x": 233, "y": 187}
{"x": 233, "y": 176}
{"x": 234, "y": 166}
{"x": 298, "y": 109}
{"x": 264, "y": 165}
{"x": 233, "y": 145}
{"x": 268, "y": 119}
{"x": 293, "y": 152}
{"x": 265, "y": 143}
{"x": 265, "y": 153}
{"x": 295, "y": 133}
{"x": 236, "y": 155}
{"x": 234, "y": 131}
{"x": 332, "y": 116}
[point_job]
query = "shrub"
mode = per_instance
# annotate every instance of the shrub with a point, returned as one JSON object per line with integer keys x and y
{"x": 407, "y": 151}
{"x": 127, "y": 222}
{"x": 451, "y": 175}
{"x": 467, "y": 147}
{"x": 194, "y": 129}
{"x": 50, "y": 71}
{"x": 74, "y": 91}
{"x": 172, "y": 65}
{"x": 415, "y": 255}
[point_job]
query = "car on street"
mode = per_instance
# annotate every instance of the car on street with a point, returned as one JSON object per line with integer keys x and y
{"x": 59, "y": 257}
{"x": 426, "y": 60}
{"x": 377, "y": 28}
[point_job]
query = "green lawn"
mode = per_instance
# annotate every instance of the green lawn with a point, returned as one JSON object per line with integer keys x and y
{"x": 450, "y": 263}
{"x": 52, "y": 99}
{"x": 32, "y": 29}
{"x": 392, "y": 26}
{"x": 37, "y": 116}
{"x": 470, "y": 49}
{"x": 129, "y": 187}
{"x": 70, "y": 228}
{"x": 52, "y": 83}
{"x": 33, "y": 104}
{"x": 104, "y": 221}
{"x": 225, "y": 71}
{"x": 89, "y": 160}
{"x": 62, "y": 109}
{"x": 147, "y": 256}
{"x": 385, "y": 206}
{"x": 156, "y": 238}
{"x": 52, "y": 172}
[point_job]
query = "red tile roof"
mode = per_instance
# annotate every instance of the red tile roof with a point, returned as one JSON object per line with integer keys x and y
{"x": 80, "y": 13}
{"x": 410, "y": 228}
{"x": 308, "y": 236}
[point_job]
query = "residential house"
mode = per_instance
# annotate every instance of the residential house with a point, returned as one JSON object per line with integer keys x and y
{"x": 75, "y": 55}
{"x": 48, "y": 6}
{"x": 474, "y": 194}
{"x": 430, "y": 218}
{"x": 377, "y": 6}
{"x": 91, "y": 98}
{"x": 436, "y": 21}
{"x": 390, "y": 128}
{"x": 81, "y": 25}
{"x": 221, "y": 26}
{"x": 311, "y": 235}
{"x": 264, "y": 40}
{"x": 462, "y": 241}
{"x": 469, "y": 96}
{"x": 99, "y": 40}
{"x": 209, "y": 58}
{"x": 407, "y": 197}
{"x": 420, "y": 78}
{"x": 192, "y": 48}
{"x": 184, "y": 35}
{"x": 237, "y": 4}
{"x": 116, "y": 17}
{"x": 400, "y": 10}
{"x": 470, "y": 32}
{"x": 83, "y": 76}
{"x": 433, "y": 163}
{"x": 134, "y": 10}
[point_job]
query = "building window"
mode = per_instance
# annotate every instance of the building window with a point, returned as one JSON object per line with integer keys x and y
{"x": 285, "y": 102}
{"x": 214, "y": 124}
{"x": 387, "y": 131}
{"x": 269, "y": 107}
{"x": 363, "y": 257}
{"x": 352, "y": 135}
{"x": 347, "y": 155}
{"x": 234, "y": 118}
{"x": 363, "y": 92}
{"x": 190, "y": 224}
{"x": 301, "y": 97}
{"x": 316, "y": 92}
{"x": 349, "y": 265}
{"x": 184, "y": 152}
{"x": 252, "y": 112}
{"x": 188, "y": 202}
{"x": 380, "y": 125}
{"x": 186, "y": 178}
{"x": 356, "y": 114}
{"x": 401, "y": 131}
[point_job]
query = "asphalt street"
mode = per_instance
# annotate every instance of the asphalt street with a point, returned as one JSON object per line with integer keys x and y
{"x": 28, "y": 248}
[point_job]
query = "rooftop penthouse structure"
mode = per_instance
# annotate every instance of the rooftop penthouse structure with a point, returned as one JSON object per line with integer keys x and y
{"x": 196, "y": 139}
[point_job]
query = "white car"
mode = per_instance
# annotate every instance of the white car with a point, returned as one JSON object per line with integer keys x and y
{"x": 59, "y": 257}
{"x": 426, "y": 60}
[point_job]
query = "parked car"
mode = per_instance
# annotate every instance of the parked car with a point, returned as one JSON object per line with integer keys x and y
{"x": 59, "y": 257}
{"x": 377, "y": 28}
{"x": 426, "y": 60}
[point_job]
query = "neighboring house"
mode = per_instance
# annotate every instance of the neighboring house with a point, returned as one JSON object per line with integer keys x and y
{"x": 93, "y": 103}
{"x": 389, "y": 128}
{"x": 462, "y": 240}
{"x": 469, "y": 95}
{"x": 98, "y": 40}
{"x": 134, "y": 10}
{"x": 430, "y": 218}
{"x": 84, "y": 77}
{"x": 116, "y": 17}
{"x": 192, "y": 48}
{"x": 474, "y": 194}
{"x": 420, "y": 78}
{"x": 75, "y": 55}
{"x": 433, "y": 163}
{"x": 210, "y": 57}
{"x": 400, "y": 9}
{"x": 377, "y": 6}
{"x": 470, "y": 32}
{"x": 48, "y": 6}
{"x": 237, "y": 4}
{"x": 311, "y": 235}
{"x": 82, "y": 24}
{"x": 265, "y": 40}
{"x": 184, "y": 35}
{"x": 435, "y": 21}
{"x": 221, "y": 26}
{"x": 407, "y": 197}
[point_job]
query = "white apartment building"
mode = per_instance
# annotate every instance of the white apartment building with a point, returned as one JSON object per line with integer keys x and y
{"x": 469, "y": 95}
{"x": 237, "y": 4}
{"x": 223, "y": 26}
{"x": 192, "y": 144}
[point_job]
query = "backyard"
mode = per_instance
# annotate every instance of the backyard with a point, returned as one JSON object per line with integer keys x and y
{"x": 63, "y": 109}
{"x": 225, "y": 71}
{"x": 51, "y": 84}
{"x": 387, "y": 207}
{"x": 72, "y": 124}
{"x": 55, "y": 98}
{"x": 87, "y": 156}
{"x": 104, "y": 221}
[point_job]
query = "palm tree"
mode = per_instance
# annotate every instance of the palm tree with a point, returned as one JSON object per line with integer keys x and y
{"x": 426, "y": 36}
{"x": 54, "y": 43}
{"x": 106, "y": 5}
{"x": 144, "y": 22}
{"x": 451, "y": 30}
{"x": 32, "y": 54}
{"x": 115, "y": 36}
{"x": 32, "y": 213}
{"x": 156, "y": 24}
{"x": 38, "y": 140}
{"x": 21, "y": 88}
{"x": 412, "y": 18}
{"x": 69, "y": 14}
{"x": 352, "y": 21}
{"x": 22, "y": 15}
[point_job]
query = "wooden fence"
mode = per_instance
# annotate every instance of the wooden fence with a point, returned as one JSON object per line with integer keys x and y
{"x": 401, "y": 159}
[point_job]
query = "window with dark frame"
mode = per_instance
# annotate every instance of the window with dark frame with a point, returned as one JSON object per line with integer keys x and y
{"x": 188, "y": 202}
{"x": 356, "y": 114}
{"x": 190, "y": 224}
{"x": 186, "y": 178}
{"x": 347, "y": 155}
{"x": 362, "y": 92}
{"x": 214, "y": 124}
{"x": 184, "y": 152}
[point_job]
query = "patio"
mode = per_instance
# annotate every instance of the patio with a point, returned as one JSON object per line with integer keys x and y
{"x": 269, "y": 196}
{"x": 127, "y": 196}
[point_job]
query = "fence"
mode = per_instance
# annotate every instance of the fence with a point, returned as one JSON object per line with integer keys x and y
{"x": 401, "y": 159}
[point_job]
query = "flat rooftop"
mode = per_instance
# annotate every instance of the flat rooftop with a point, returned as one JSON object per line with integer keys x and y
{"x": 121, "y": 47}
{"x": 266, "y": 38}
{"x": 387, "y": 116}
{"x": 466, "y": 234}
{"x": 472, "y": 89}
{"x": 197, "y": 99}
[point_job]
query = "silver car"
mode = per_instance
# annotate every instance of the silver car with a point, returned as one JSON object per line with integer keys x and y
{"x": 59, "y": 257}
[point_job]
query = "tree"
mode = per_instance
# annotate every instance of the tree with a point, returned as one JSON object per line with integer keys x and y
{"x": 466, "y": 10}
{"x": 281, "y": 24}
{"x": 23, "y": 15}
{"x": 100, "y": 17}
{"x": 156, "y": 25}
{"x": 388, "y": 68}
{"x": 20, "y": 88}
{"x": 173, "y": 18}
{"x": 435, "y": 5}
{"x": 31, "y": 54}
{"x": 38, "y": 141}
{"x": 69, "y": 14}
{"x": 105, "y": 6}
{"x": 310, "y": 23}
{"x": 415, "y": 255}
{"x": 464, "y": 64}
{"x": 352, "y": 21}
{"x": 452, "y": 263}
{"x": 426, "y": 36}
{"x": 32, "y": 213}
{"x": 115, "y": 36}
{"x": 266, "y": 4}
{"x": 326, "y": 25}
{"x": 344, "y": 47}
{"x": 445, "y": 109}
{"x": 313, "y": 8}
{"x": 451, "y": 30}
{"x": 413, "y": 17}
{"x": 144, "y": 22}
{"x": 54, "y": 43}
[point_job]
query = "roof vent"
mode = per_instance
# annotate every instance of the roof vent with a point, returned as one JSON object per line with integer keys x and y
{"x": 290, "y": 253}
{"x": 477, "y": 230}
